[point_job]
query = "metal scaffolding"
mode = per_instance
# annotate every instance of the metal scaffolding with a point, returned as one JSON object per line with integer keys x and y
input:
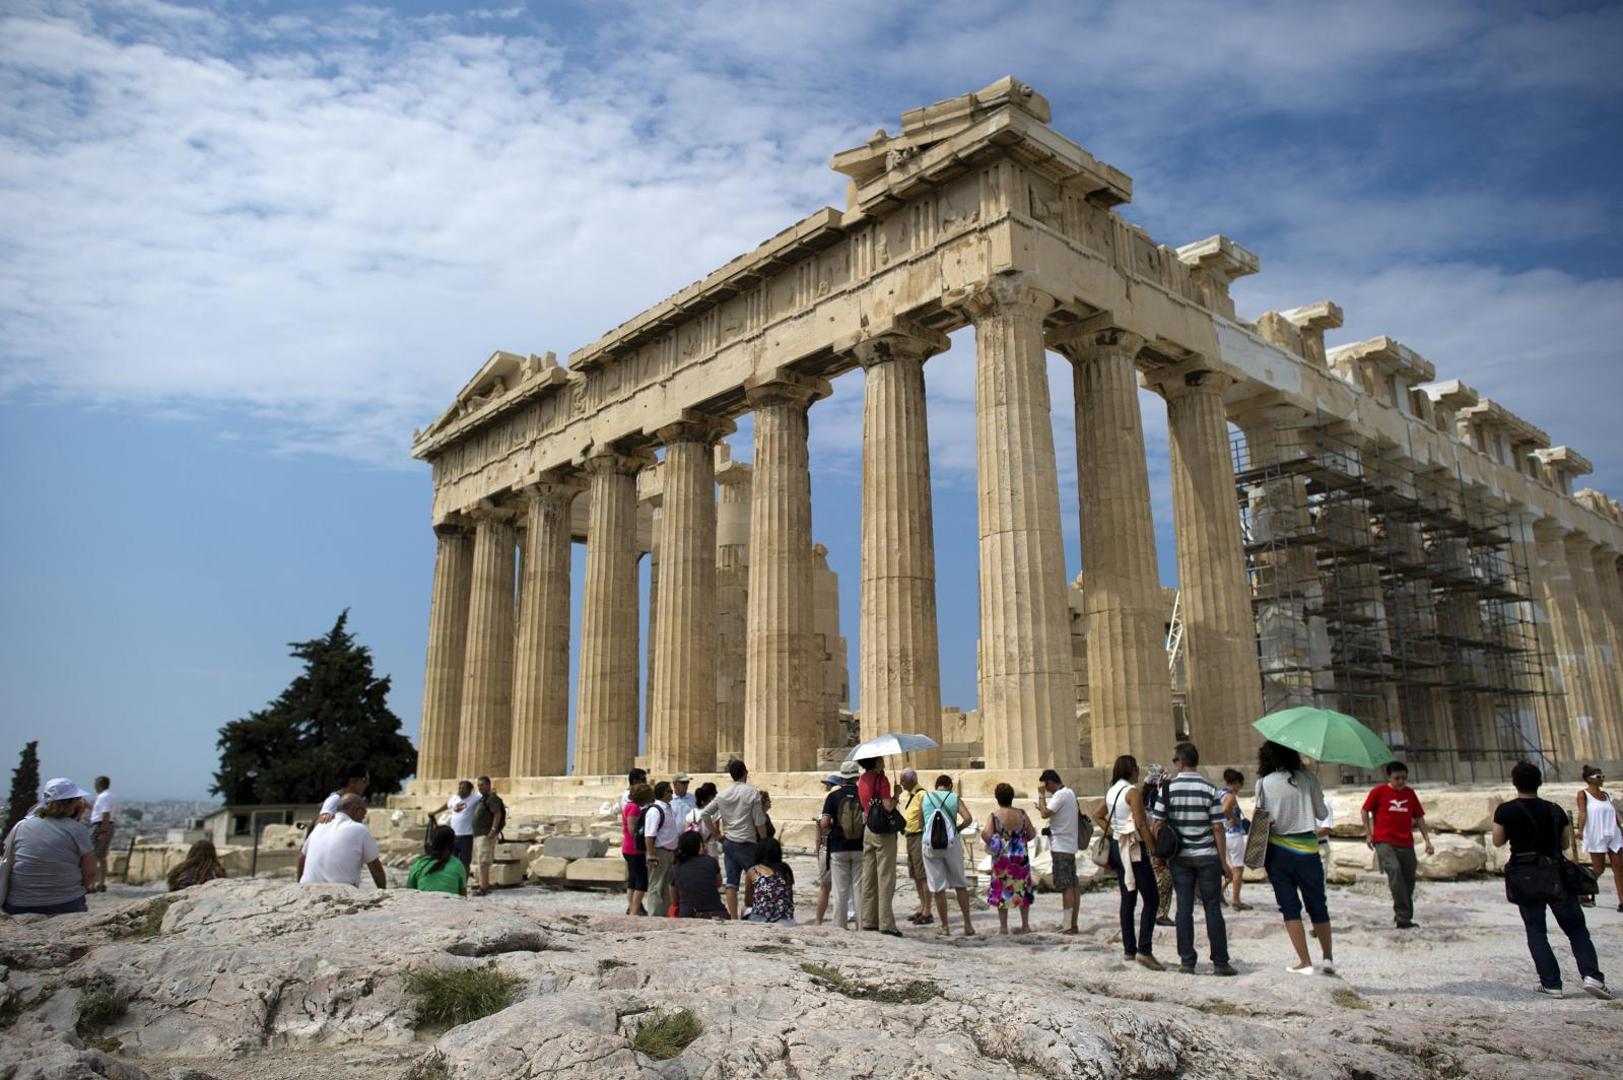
{"x": 1398, "y": 596}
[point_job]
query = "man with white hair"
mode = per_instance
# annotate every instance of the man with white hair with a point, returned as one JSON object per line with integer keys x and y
{"x": 334, "y": 853}
{"x": 911, "y": 805}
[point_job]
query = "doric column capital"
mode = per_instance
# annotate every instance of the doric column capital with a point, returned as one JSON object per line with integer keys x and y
{"x": 695, "y": 426}
{"x": 489, "y": 510}
{"x": 783, "y": 387}
{"x": 903, "y": 341}
{"x": 454, "y": 525}
{"x": 1005, "y": 294}
{"x": 562, "y": 484}
{"x": 1550, "y": 529}
{"x": 601, "y": 460}
{"x": 1086, "y": 340}
{"x": 1186, "y": 382}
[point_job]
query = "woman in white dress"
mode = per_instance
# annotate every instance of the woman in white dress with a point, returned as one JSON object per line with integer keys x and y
{"x": 1598, "y": 827}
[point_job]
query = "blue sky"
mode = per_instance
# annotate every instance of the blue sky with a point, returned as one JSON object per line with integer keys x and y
{"x": 245, "y": 249}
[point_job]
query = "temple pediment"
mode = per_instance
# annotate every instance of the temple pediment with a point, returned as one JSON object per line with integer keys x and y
{"x": 497, "y": 379}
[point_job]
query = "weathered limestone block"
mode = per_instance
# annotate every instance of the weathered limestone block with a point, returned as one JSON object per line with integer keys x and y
{"x": 274, "y": 837}
{"x": 1460, "y": 811}
{"x": 508, "y": 873}
{"x": 1348, "y": 860}
{"x": 508, "y": 851}
{"x": 547, "y": 868}
{"x": 591, "y": 873}
{"x": 1455, "y": 856}
{"x": 575, "y": 847}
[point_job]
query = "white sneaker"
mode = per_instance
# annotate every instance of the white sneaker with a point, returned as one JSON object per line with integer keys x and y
{"x": 1596, "y": 988}
{"x": 1550, "y": 991}
{"x": 1300, "y": 969}
{"x": 1326, "y": 968}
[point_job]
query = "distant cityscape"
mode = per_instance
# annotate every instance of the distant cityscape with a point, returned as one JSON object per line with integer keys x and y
{"x": 152, "y": 819}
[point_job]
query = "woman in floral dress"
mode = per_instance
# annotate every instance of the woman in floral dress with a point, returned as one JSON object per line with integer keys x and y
{"x": 1006, "y": 835}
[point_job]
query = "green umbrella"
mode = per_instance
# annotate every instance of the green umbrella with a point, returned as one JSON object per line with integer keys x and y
{"x": 1325, "y": 736}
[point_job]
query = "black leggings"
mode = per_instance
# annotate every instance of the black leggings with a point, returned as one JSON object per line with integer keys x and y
{"x": 1146, "y": 893}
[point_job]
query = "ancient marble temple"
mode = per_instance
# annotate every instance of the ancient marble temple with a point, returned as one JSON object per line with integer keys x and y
{"x": 979, "y": 214}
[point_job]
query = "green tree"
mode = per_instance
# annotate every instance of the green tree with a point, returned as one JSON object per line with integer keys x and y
{"x": 335, "y": 712}
{"x": 24, "y": 785}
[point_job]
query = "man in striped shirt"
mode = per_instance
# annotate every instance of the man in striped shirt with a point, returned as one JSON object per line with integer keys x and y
{"x": 1193, "y": 806}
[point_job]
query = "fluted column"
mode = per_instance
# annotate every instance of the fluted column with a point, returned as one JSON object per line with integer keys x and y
{"x": 1566, "y": 631}
{"x": 1555, "y": 727}
{"x": 682, "y": 719}
{"x": 1597, "y": 642}
{"x": 541, "y": 657}
{"x": 1224, "y": 689}
{"x": 447, "y": 645}
{"x": 1027, "y": 688}
{"x": 733, "y": 483}
{"x": 899, "y": 672}
{"x": 780, "y": 692}
{"x": 1129, "y": 686}
{"x": 1604, "y": 562}
{"x": 487, "y": 685}
{"x": 655, "y": 531}
{"x": 606, "y": 709}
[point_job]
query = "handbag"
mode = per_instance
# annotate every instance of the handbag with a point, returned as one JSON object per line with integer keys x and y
{"x": 1099, "y": 846}
{"x": 1256, "y": 841}
{"x": 1167, "y": 840}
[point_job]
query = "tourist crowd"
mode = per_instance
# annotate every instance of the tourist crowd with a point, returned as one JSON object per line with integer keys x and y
{"x": 713, "y": 853}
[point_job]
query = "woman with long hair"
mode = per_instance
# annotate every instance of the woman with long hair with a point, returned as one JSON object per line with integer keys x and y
{"x": 631, "y": 847}
{"x": 769, "y": 885}
{"x": 1294, "y": 803}
{"x": 696, "y": 880}
{"x": 439, "y": 870}
{"x": 1598, "y": 826}
{"x": 1122, "y": 818}
{"x": 202, "y": 863}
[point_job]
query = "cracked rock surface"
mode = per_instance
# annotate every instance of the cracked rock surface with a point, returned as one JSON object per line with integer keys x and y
{"x": 268, "y": 980}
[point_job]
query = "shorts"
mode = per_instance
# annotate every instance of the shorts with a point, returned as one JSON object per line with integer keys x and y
{"x": 636, "y": 872}
{"x": 101, "y": 839}
{"x": 1064, "y": 871}
{"x": 737, "y": 859}
{"x": 823, "y": 875}
{"x": 946, "y": 870}
{"x": 484, "y": 852}
{"x": 1236, "y": 846}
{"x": 915, "y": 856}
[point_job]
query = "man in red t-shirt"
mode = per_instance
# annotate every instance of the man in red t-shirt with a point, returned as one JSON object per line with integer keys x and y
{"x": 1392, "y": 812}
{"x": 878, "y": 854}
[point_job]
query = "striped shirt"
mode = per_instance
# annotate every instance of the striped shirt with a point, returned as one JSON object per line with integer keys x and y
{"x": 1193, "y": 804}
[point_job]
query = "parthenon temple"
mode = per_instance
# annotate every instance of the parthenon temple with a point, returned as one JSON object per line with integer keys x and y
{"x": 1351, "y": 531}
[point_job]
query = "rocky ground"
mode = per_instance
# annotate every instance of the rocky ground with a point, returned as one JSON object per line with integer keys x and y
{"x": 268, "y": 980}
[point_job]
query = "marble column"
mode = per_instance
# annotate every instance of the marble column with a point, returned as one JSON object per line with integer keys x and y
{"x": 447, "y": 643}
{"x": 899, "y": 671}
{"x": 733, "y": 483}
{"x": 1566, "y": 631}
{"x": 1129, "y": 686}
{"x": 1027, "y": 687}
{"x": 606, "y": 706}
{"x": 655, "y": 519}
{"x": 487, "y": 683}
{"x": 1597, "y": 642}
{"x": 541, "y": 657}
{"x": 1555, "y": 727}
{"x": 1223, "y": 687}
{"x": 780, "y": 692}
{"x": 682, "y": 718}
{"x": 1604, "y": 561}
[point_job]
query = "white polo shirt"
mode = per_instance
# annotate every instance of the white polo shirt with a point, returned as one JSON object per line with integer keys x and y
{"x": 106, "y": 807}
{"x": 462, "y": 820}
{"x": 337, "y": 852}
{"x": 662, "y": 826}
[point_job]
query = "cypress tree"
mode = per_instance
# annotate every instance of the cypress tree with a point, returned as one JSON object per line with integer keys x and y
{"x": 24, "y": 785}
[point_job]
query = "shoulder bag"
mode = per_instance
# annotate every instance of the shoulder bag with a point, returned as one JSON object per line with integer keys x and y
{"x": 1533, "y": 877}
{"x": 1168, "y": 842}
{"x": 1099, "y": 846}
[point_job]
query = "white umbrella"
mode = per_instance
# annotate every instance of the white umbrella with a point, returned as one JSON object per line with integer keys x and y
{"x": 889, "y": 745}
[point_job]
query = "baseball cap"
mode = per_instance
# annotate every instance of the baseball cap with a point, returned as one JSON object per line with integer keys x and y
{"x": 62, "y": 789}
{"x": 832, "y": 779}
{"x": 849, "y": 770}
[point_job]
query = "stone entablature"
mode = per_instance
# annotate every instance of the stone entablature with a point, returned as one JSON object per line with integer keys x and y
{"x": 979, "y": 214}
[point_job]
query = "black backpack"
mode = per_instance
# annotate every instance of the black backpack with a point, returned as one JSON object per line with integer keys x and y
{"x": 1168, "y": 841}
{"x": 639, "y": 837}
{"x": 940, "y": 840}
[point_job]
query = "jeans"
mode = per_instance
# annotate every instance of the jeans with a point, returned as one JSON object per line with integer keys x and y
{"x": 846, "y": 867}
{"x": 1298, "y": 881}
{"x": 878, "y": 880}
{"x": 1145, "y": 893}
{"x": 1570, "y": 917}
{"x": 1205, "y": 873}
{"x": 737, "y": 858}
{"x": 67, "y": 907}
{"x": 463, "y": 847}
{"x": 1398, "y": 864}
